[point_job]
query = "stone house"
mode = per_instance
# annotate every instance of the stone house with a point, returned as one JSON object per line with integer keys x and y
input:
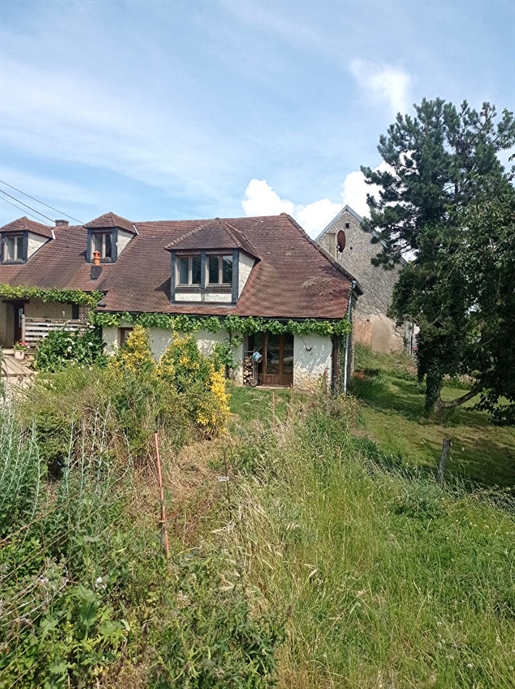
{"x": 265, "y": 268}
{"x": 371, "y": 323}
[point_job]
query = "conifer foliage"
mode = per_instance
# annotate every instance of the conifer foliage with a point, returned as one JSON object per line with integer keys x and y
{"x": 442, "y": 165}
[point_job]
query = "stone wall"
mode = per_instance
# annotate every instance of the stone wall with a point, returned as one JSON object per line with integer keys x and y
{"x": 371, "y": 324}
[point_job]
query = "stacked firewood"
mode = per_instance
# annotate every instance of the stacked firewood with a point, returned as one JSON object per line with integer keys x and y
{"x": 248, "y": 370}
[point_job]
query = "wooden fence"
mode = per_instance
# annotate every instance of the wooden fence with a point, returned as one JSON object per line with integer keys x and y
{"x": 35, "y": 329}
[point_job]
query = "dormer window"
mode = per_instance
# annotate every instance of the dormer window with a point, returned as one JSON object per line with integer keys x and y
{"x": 220, "y": 270}
{"x": 109, "y": 235}
{"x": 14, "y": 249}
{"x": 210, "y": 264}
{"x": 103, "y": 243}
{"x": 189, "y": 270}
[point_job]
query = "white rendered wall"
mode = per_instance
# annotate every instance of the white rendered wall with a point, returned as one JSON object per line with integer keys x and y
{"x": 160, "y": 338}
{"x": 188, "y": 296}
{"x": 123, "y": 239}
{"x": 218, "y": 297}
{"x": 34, "y": 243}
{"x": 311, "y": 360}
{"x": 245, "y": 266}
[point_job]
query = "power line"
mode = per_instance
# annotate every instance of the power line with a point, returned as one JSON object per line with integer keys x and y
{"x": 41, "y": 202}
{"x": 20, "y": 208}
{"x": 26, "y": 205}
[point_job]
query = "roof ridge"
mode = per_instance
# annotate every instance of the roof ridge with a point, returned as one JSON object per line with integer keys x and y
{"x": 186, "y": 235}
{"x": 321, "y": 251}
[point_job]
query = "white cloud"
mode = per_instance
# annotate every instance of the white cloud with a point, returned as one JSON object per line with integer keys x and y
{"x": 315, "y": 216}
{"x": 383, "y": 84}
{"x": 261, "y": 199}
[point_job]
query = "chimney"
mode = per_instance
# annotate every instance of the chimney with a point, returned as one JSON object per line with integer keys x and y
{"x": 96, "y": 268}
{"x": 61, "y": 223}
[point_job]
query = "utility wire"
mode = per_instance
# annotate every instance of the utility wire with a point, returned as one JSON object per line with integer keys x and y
{"x": 41, "y": 202}
{"x": 20, "y": 208}
{"x": 26, "y": 205}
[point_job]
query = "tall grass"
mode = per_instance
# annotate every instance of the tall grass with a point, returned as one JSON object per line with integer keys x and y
{"x": 87, "y": 597}
{"x": 388, "y": 580}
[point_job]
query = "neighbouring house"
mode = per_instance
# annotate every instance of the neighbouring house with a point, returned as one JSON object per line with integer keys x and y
{"x": 285, "y": 294}
{"x": 371, "y": 323}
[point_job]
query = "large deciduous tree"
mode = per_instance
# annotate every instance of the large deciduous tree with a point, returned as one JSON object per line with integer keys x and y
{"x": 442, "y": 167}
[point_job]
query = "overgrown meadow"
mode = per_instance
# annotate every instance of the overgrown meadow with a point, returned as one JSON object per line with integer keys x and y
{"x": 324, "y": 561}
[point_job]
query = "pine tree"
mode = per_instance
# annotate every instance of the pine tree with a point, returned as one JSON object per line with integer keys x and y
{"x": 441, "y": 163}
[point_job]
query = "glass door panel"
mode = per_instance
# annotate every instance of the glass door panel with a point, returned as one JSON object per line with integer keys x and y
{"x": 273, "y": 354}
{"x": 287, "y": 354}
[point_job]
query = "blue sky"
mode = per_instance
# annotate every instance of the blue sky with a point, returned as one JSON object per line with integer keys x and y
{"x": 163, "y": 109}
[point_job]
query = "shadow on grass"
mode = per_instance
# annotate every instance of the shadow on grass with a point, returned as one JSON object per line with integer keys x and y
{"x": 391, "y": 392}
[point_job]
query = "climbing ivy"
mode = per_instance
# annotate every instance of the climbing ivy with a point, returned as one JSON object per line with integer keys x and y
{"x": 70, "y": 296}
{"x": 179, "y": 323}
{"x": 246, "y": 325}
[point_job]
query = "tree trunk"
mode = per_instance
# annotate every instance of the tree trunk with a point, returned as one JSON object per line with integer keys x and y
{"x": 434, "y": 385}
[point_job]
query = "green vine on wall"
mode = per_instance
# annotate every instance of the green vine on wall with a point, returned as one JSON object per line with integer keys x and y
{"x": 183, "y": 323}
{"x": 246, "y": 325}
{"x": 69, "y": 296}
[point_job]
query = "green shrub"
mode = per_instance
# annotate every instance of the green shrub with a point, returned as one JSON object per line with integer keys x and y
{"x": 63, "y": 348}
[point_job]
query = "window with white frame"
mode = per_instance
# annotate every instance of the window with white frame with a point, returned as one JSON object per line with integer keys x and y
{"x": 14, "y": 249}
{"x": 103, "y": 243}
{"x": 188, "y": 270}
{"x": 219, "y": 270}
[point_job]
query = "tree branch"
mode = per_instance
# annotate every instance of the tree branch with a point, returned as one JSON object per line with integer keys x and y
{"x": 450, "y": 404}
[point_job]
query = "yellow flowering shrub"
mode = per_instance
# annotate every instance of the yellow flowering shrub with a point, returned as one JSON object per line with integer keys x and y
{"x": 214, "y": 410}
{"x": 200, "y": 382}
{"x": 135, "y": 356}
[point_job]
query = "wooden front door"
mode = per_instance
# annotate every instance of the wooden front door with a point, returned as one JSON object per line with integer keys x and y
{"x": 277, "y": 365}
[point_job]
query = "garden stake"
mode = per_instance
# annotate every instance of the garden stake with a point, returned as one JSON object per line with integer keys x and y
{"x": 227, "y": 483}
{"x": 446, "y": 446}
{"x": 164, "y": 531}
{"x": 273, "y": 405}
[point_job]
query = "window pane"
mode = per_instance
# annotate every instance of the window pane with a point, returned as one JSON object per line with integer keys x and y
{"x": 288, "y": 353}
{"x": 108, "y": 246}
{"x": 19, "y": 248}
{"x": 182, "y": 267}
{"x": 195, "y": 270}
{"x": 213, "y": 270}
{"x": 9, "y": 248}
{"x": 227, "y": 270}
{"x": 97, "y": 243}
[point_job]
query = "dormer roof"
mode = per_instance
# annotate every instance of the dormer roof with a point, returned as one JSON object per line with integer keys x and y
{"x": 26, "y": 225}
{"x": 214, "y": 234}
{"x": 110, "y": 220}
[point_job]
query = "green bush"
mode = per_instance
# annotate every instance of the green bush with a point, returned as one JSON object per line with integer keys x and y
{"x": 63, "y": 348}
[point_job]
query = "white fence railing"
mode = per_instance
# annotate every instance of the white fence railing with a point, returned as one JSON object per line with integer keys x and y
{"x": 35, "y": 329}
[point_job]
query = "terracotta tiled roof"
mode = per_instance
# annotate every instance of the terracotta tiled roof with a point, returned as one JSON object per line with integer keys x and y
{"x": 26, "y": 225}
{"x": 294, "y": 278}
{"x": 111, "y": 220}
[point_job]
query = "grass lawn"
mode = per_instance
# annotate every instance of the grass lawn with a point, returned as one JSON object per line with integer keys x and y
{"x": 392, "y": 416}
